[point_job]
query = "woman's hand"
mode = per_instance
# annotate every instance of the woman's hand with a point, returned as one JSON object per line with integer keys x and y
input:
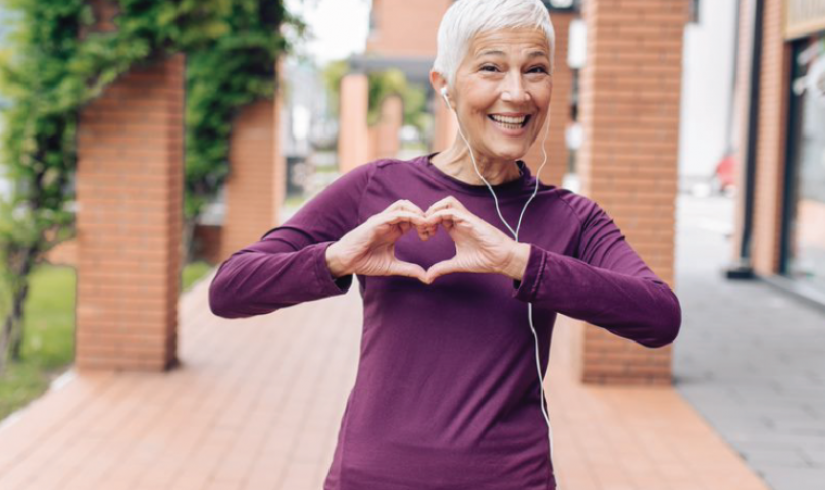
{"x": 480, "y": 246}
{"x": 369, "y": 249}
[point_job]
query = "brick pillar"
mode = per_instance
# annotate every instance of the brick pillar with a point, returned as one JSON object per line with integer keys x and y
{"x": 556, "y": 145}
{"x": 279, "y": 177}
{"x": 770, "y": 142}
{"x": 384, "y": 139}
{"x": 252, "y": 190}
{"x": 129, "y": 221}
{"x": 630, "y": 95}
{"x": 446, "y": 126}
{"x": 353, "y": 134}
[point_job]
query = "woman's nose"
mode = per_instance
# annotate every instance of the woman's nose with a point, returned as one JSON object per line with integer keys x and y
{"x": 514, "y": 89}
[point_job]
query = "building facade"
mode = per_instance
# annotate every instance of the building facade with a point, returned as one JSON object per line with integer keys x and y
{"x": 780, "y": 218}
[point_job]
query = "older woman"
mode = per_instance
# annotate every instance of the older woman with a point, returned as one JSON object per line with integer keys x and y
{"x": 459, "y": 315}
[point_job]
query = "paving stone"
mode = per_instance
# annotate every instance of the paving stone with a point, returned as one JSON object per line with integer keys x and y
{"x": 785, "y": 478}
{"x": 815, "y": 457}
{"x": 775, "y": 457}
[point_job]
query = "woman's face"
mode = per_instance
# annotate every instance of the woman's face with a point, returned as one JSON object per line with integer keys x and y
{"x": 502, "y": 92}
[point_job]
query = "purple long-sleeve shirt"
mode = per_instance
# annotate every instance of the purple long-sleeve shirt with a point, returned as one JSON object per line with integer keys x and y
{"x": 447, "y": 394}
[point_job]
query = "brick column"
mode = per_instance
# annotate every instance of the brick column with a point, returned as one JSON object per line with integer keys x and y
{"x": 254, "y": 186}
{"x": 774, "y": 92}
{"x": 630, "y": 95}
{"x": 384, "y": 139}
{"x": 556, "y": 146}
{"x": 353, "y": 135}
{"x": 129, "y": 220}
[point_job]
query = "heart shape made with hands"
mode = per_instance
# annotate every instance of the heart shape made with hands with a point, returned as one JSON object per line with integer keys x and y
{"x": 480, "y": 247}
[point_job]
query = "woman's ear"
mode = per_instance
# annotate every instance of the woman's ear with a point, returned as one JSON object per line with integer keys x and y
{"x": 440, "y": 86}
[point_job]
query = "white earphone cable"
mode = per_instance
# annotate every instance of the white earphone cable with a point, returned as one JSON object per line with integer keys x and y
{"x": 515, "y": 236}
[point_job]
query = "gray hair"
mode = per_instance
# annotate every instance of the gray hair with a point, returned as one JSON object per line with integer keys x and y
{"x": 466, "y": 18}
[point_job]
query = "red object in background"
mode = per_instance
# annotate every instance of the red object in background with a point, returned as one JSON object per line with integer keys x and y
{"x": 724, "y": 174}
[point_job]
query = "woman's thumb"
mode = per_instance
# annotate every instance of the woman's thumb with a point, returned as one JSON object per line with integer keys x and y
{"x": 401, "y": 268}
{"x": 437, "y": 270}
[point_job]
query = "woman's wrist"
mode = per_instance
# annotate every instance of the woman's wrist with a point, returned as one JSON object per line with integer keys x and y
{"x": 334, "y": 264}
{"x": 517, "y": 264}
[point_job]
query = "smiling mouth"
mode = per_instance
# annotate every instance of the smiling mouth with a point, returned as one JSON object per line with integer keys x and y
{"x": 509, "y": 122}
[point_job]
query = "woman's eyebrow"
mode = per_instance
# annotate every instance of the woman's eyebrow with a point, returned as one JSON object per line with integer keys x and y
{"x": 497, "y": 52}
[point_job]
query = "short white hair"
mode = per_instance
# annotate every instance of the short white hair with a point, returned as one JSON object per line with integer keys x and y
{"x": 466, "y": 18}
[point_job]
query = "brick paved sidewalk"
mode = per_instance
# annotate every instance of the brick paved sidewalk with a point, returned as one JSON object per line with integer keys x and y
{"x": 257, "y": 405}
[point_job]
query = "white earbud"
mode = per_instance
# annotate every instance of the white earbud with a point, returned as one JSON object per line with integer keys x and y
{"x": 445, "y": 96}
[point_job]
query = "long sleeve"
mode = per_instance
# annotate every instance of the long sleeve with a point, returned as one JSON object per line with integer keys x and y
{"x": 287, "y": 266}
{"x": 606, "y": 284}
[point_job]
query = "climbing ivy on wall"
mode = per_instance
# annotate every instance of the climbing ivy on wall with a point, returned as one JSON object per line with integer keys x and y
{"x": 52, "y": 63}
{"x": 224, "y": 74}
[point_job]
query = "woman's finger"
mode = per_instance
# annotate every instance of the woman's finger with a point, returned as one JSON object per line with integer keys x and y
{"x": 401, "y": 268}
{"x": 405, "y": 205}
{"x": 393, "y": 217}
{"x": 441, "y": 268}
{"x": 424, "y": 232}
{"x": 447, "y": 217}
{"x": 440, "y": 204}
{"x": 411, "y": 206}
{"x": 408, "y": 219}
{"x": 447, "y": 202}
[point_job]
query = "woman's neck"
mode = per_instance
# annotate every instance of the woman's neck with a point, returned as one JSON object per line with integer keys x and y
{"x": 457, "y": 163}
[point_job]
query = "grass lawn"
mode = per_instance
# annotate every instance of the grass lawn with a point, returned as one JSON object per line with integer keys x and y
{"x": 193, "y": 272}
{"x": 48, "y": 343}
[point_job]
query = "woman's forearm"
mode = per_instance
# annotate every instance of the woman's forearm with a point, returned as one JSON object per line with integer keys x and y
{"x": 271, "y": 275}
{"x": 641, "y": 308}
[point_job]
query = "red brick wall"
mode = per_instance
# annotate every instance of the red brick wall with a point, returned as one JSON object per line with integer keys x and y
{"x": 252, "y": 198}
{"x": 770, "y": 147}
{"x": 405, "y": 28}
{"x": 384, "y": 136}
{"x": 129, "y": 221}
{"x": 353, "y": 133}
{"x": 770, "y": 139}
{"x": 630, "y": 95}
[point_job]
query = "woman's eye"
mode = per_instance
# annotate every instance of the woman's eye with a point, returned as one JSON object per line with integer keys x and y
{"x": 540, "y": 68}
{"x": 488, "y": 68}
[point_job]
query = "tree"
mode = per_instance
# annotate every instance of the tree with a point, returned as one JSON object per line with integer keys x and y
{"x": 55, "y": 64}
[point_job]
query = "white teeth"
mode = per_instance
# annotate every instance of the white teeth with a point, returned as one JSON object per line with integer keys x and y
{"x": 508, "y": 119}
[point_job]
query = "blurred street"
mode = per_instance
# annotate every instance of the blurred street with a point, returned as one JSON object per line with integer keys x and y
{"x": 750, "y": 359}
